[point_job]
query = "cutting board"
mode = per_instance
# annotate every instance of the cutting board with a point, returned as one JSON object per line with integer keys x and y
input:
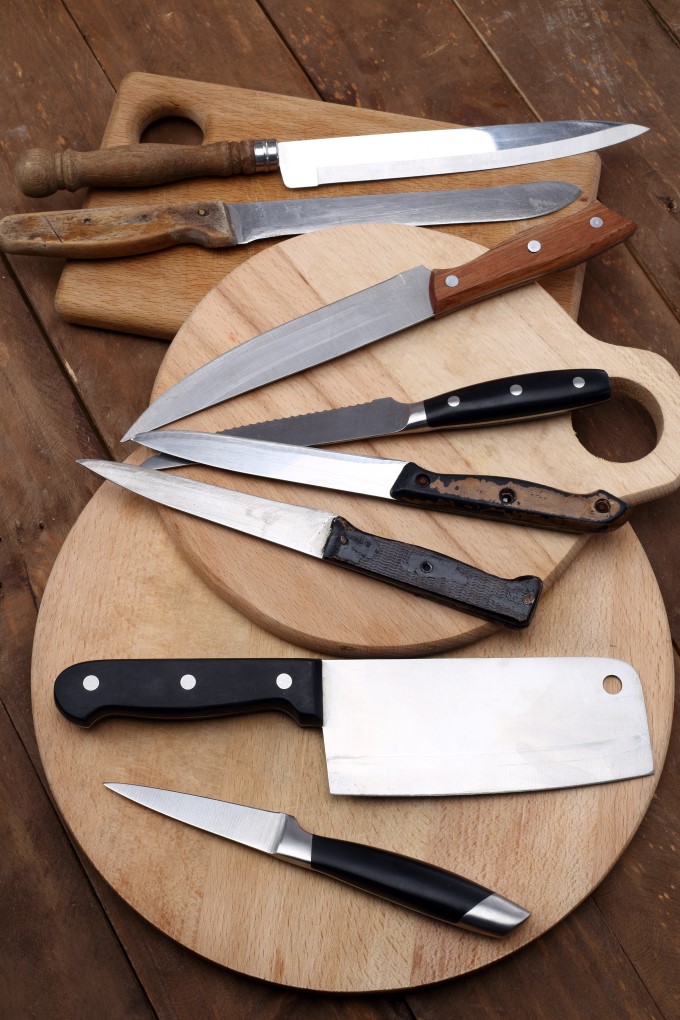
{"x": 120, "y": 589}
{"x": 313, "y": 603}
{"x": 153, "y": 294}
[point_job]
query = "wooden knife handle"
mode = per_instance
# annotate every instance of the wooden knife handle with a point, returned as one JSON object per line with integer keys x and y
{"x": 41, "y": 173}
{"x": 529, "y": 255}
{"x": 117, "y": 230}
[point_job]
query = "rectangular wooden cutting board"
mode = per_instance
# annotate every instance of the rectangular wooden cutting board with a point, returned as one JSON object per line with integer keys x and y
{"x": 153, "y": 294}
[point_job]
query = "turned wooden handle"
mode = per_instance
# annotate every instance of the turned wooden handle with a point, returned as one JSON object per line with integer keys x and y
{"x": 117, "y": 230}
{"x": 41, "y": 173}
{"x": 529, "y": 255}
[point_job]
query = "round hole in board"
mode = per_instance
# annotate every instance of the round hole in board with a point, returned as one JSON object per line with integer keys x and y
{"x": 622, "y": 429}
{"x": 173, "y": 131}
{"x": 612, "y": 684}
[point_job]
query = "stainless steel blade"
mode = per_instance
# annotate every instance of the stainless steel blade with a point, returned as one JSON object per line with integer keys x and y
{"x": 252, "y": 221}
{"x": 295, "y": 527}
{"x": 426, "y": 727}
{"x": 311, "y": 162}
{"x": 382, "y": 417}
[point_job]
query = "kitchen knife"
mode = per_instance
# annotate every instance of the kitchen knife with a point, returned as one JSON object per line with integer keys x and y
{"x": 404, "y": 880}
{"x": 498, "y": 401}
{"x": 510, "y": 500}
{"x": 329, "y": 537}
{"x": 403, "y": 727}
{"x": 310, "y": 162}
{"x": 107, "y": 232}
{"x": 405, "y": 300}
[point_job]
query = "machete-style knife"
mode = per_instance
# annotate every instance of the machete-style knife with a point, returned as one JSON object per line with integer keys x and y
{"x": 405, "y": 300}
{"x": 326, "y": 536}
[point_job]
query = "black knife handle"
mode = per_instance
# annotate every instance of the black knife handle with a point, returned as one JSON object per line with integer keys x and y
{"x": 459, "y": 585}
{"x": 414, "y": 884}
{"x": 190, "y": 689}
{"x": 510, "y": 500}
{"x": 517, "y": 397}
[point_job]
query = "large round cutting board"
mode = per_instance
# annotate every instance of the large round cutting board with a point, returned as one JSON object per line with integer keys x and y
{"x": 121, "y": 589}
{"x": 309, "y": 602}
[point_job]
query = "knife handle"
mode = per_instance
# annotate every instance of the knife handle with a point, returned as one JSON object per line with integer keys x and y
{"x": 116, "y": 230}
{"x": 517, "y": 397}
{"x": 526, "y": 256}
{"x": 40, "y": 173}
{"x": 190, "y": 689}
{"x": 510, "y": 500}
{"x": 511, "y": 602}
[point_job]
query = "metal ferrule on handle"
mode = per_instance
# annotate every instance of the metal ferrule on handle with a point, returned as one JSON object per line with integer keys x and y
{"x": 266, "y": 153}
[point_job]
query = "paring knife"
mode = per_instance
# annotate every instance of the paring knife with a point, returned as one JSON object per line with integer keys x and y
{"x": 515, "y": 398}
{"x": 510, "y": 500}
{"x": 329, "y": 537}
{"x": 403, "y": 727}
{"x": 310, "y": 162}
{"x": 405, "y": 300}
{"x": 106, "y": 232}
{"x": 411, "y": 883}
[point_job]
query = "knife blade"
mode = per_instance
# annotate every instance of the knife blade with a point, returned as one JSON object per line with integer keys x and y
{"x": 510, "y": 500}
{"x": 403, "y": 727}
{"x": 110, "y": 231}
{"x": 326, "y": 536}
{"x": 310, "y": 162}
{"x": 405, "y": 300}
{"x": 411, "y": 883}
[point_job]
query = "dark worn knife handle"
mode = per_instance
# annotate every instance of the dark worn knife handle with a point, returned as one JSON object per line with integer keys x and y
{"x": 510, "y": 500}
{"x": 535, "y": 252}
{"x": 517, "y": 397}
{"x": 190, "y": 689}
{"x": 459, "y": 585}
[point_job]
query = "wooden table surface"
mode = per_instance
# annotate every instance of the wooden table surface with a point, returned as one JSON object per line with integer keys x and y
{"x": 69, "y": 946}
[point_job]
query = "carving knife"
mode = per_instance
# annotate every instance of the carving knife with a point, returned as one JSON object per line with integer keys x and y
{"x": 411, "y": 883}
{"x": 510, "y": 500}
{"x": 310, "y": 162}
{"x": 403, "y": 727}
{"x": 327, "y": 536}
{"x": 405, "y": 300}
{"x": 106, "y": 232}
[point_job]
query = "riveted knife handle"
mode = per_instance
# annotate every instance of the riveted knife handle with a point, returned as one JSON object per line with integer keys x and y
{"x": 511, "y": 602}
{"x": 41, "y": 173}
{"x": 527, "y": 256}
{"x": 517, "y": 397}
{"x": 510, "y": 500}
{"x": 190, "y": 689}
{"x": 108, "y": 232}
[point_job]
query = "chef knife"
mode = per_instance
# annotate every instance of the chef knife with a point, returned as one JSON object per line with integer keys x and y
{"x": 403, "y": 727}
{"x": 327, "y": 536}
{"x": 405, "y": 300}
{"x": 510, "y": 500}
{"x": 411, "y": 883}
{"x": 105, "y": 232}
{"x": 310, "y": 162}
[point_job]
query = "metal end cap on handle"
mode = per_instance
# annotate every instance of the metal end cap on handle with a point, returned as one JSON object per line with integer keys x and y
{"x": 494, "y": 916}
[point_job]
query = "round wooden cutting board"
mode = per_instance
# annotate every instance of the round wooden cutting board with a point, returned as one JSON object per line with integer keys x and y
{"x": 312, "y": 603}
{"x": 121, "y": 589}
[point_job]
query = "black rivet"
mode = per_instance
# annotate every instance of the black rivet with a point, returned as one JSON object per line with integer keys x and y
{"x": 507, "y": 496}
{"x": 426, "y": 567}
{"x": 603, "y": 506}
{"x": 422, "y": 479}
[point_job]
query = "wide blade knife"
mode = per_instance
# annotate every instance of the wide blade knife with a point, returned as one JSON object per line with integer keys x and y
{"x": 106, "y": 232}
{"x": 510, "y": 500}
{"x": 405, "y": 300}
{"x": 404, "y": 727}
{"x": 411, "y": 883}
{"x": 310, "y": 162}
{"x": 329, "y": 537}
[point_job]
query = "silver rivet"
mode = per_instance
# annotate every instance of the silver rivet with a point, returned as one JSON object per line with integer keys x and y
{"x": 596, "y": 221}
{"x": 453, "y": 401}
{"x": 91, "y": 682}
{"x": 516, "y": 389}
{"x": 188, "y": 682}
{"x": 579, "y": 382}
{"x": 284, "y": 680}
{"x": 534, "y": 246}
{"x": 451, "y": 281}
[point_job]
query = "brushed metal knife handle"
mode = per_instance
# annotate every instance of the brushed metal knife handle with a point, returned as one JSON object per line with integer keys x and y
{"x": 40, "y": 173}
{"x": 533, "y": 253}
{"x": 510, "y": 602}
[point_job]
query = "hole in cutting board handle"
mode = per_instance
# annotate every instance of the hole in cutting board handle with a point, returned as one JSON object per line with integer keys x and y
{"x": 173, "y": 131}
{"x": 622, "y": 429}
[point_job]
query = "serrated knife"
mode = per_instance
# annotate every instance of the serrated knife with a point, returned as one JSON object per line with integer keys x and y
{"x": 405, "y": 300}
